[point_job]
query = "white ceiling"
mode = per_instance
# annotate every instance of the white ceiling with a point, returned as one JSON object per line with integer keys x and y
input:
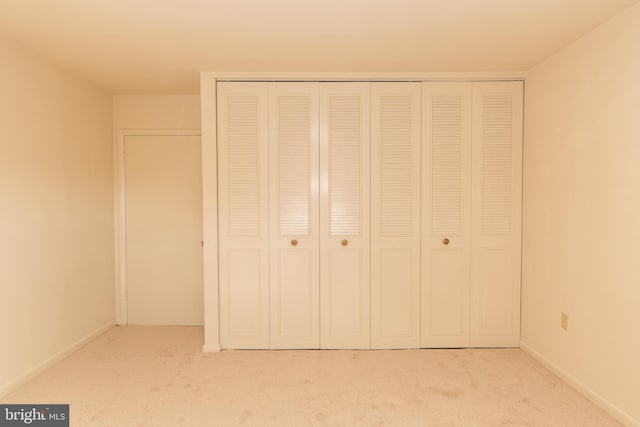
{"x": 159, "y": 46}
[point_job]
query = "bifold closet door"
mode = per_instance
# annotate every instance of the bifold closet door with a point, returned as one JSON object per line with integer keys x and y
{"x": 496, "y": 214}
{"x": 395, "y": 215}
{"x": 446, "y": 201}
{"x": 344, "y": 215}
{"x": 294, "y": 212}
{"x": 243, "y": 214}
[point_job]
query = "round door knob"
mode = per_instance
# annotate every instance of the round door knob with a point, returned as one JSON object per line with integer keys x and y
{"x": 345, "y": 242}
{"x": 294, "y": 242}
{"x": 445, "y": 241}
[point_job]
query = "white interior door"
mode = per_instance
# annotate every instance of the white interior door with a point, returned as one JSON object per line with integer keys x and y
{"x": 344, "y": 215}
{"x": 294, "y": 211}
{"x": 243, "y": 217}
{"x": 163, "y": 217}
{"x": 395, "y": 215}
{"x": 496, "y": 214}
{"x": 446, "y": 201}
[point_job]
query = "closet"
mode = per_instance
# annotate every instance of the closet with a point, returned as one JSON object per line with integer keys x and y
{"x": 369, "y": 214}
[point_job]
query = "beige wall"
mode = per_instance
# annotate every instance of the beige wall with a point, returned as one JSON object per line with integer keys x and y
{"x": 582, "y": 213}
{"x": 56, "y": 212}
{"x": 156, "y": 112}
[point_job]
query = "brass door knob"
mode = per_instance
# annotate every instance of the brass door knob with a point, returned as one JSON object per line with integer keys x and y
{"x": 445, "y": 241}
{"x": 345, "y": 242}
{"x": 294, "y": 242}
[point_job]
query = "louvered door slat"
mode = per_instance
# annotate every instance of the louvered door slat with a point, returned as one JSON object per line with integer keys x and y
{"x": 344, "y": 140}
{"x": 396, "y": 199}
{"x": 496, "y": 207}
{"x": 497, "y": 173}
{"x": 242, "y": 151}
{"x": 293, "y": 164}
{"x": 243, "y": 215}
{"x": 446, "y": 132}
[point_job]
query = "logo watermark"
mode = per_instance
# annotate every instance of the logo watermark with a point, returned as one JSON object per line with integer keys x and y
{"x": 34, "y": 415}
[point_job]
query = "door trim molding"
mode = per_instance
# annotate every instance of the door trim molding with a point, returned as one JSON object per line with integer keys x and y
{"x": 120, "y": 226}
{"x": 364, "y": 76}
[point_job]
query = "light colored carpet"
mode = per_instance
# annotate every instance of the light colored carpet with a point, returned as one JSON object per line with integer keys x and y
{"x": 158, "y": 376}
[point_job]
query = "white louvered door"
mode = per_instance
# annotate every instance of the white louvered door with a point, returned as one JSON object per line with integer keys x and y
{"x": 294, "y": 209}
{"x": 243, "y": 215}
{"x": 446, "y": 201}
{"x": 395, "y": 215}
{"x": 344, "y": 215}
{"x": 496, "y": 214}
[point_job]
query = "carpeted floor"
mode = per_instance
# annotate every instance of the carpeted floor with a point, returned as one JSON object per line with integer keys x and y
{"x": 158, "y": 376}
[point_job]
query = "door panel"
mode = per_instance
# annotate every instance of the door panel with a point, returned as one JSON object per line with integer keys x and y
{"x": 497, "y": 210}
{"x": 395, "y": 215}
{"x": 446, "y": 198}
{"x": 294, "y": 223}
{"x": 295, "y": 295}
{"x": 396, "y": 274}
{"x": 163, "y": 214}
{"x": 495, "y": 287}
{"x": 447, "y": 314}
{"x": 345, "y": 311}
{"x": 243, "y": 321}
{"x": 243, "y": 215}
{"x": 344, "y": 215}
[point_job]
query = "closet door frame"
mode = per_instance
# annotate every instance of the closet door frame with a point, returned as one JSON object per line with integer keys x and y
{"x": 208, "y": 80}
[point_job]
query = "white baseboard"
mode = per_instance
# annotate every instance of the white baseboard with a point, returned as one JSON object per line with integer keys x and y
{"x": 208, "y": 348}
{"x": 22, "y": 379}
{"x": 589, "y": 393}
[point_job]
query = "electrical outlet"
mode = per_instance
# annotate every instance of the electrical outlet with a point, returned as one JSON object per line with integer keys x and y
{"x": 564, "y": 321}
